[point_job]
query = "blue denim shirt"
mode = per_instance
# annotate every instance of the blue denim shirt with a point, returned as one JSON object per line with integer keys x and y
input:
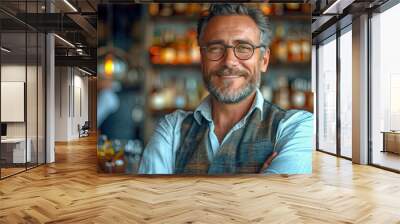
{"x": 293, "y": 140}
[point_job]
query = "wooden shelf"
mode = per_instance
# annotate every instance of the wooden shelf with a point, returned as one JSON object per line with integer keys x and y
{"x": 184, "y": 18}
{"x": 290, "y": 17}
{"x": 189, "y": 66}
{"x": 175, "y": 18}
{"x": 296, "y": 65}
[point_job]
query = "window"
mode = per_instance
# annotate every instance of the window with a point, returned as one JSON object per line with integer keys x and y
{"x": 346, "y": 92}
{"x": 22, "y": 77}
{"x": 385, "y": 89}
{"x": 327, "y": 96}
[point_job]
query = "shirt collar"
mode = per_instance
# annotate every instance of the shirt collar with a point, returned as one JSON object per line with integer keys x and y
{"x": 204, "y": 109}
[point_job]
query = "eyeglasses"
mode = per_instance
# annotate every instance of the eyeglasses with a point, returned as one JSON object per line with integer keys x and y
{"x": 242, "y": 51}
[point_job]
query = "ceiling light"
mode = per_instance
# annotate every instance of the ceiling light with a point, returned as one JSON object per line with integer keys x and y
{"x": 84, "y": 71}
{"x": 333, "y": 6}
{"x": 70, "y": 5}
{"x": 5, "y": 49}
{"x": 80, "y": 51}
{"x": 337, "y": 7}
{"x": 65, "y": 41}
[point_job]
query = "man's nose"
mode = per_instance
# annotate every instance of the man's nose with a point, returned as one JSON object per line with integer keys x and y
{"x": 230, "y": 59}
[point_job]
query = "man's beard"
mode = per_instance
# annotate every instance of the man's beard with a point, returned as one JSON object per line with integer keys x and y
{"x": 224, "y": 94}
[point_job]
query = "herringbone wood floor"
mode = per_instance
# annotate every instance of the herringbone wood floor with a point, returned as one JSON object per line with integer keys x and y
{"x": 71, "y": 191}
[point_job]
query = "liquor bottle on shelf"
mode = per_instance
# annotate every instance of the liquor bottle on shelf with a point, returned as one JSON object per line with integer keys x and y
{"x": 282, "y": 94}
{"x": 168, "y": 36}
{"x": 279, "y": 46}
{"x": 306, "y": 8}
{"x": 192, "y": 92}
{"x": 168, "y": 52}
{"x": 154, "y": 9}
{"x": 181, "y": 50}
{"x": 155, "y": 52}
{"x": 266, "y": 8}
{"x": 166, "y": 9}
{"x": 180, "y": 97}
{"x": 293, "y": 7}
{"x": 294, "y": 47}
{"x": 278, "y": 9}
{"x": 305, "y": 48}
{"x": 194, "y": 9}
{"x": 298, "y": 98}
{"x": 194, "y": 52}
{"x": 157, "y": 102}
{"x": 180, "y": 8}
{"x": 301, "y": 94}
{"x": 155, "y": 48}
{"x": 167, "y": 55}
{"x": 169, "y": 94}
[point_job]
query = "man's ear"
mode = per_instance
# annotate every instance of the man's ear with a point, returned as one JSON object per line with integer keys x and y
{"x": 265, "y": 60}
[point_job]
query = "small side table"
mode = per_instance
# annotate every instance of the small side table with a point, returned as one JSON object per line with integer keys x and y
{"x": 391, "y": 141}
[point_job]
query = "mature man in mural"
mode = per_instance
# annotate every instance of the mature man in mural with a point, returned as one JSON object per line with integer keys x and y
{"x": 234, "y": 130}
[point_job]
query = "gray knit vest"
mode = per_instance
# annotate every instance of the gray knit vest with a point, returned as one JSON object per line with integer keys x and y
{"x": 244, "y": 152}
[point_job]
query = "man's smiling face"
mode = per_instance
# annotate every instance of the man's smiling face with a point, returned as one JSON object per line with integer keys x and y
{"x": 230, "y": 79}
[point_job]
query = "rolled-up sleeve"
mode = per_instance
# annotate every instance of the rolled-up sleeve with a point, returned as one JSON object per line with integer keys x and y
{"x": 294, "y": 144}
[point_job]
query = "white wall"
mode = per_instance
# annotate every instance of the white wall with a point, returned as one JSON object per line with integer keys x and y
{"x": 13, "y": 73}
{"x": 61, "y": 103}
{"x": 71, "y": 93}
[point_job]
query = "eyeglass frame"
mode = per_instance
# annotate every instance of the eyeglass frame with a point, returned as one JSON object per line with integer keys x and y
{"x": 226, "y": 46}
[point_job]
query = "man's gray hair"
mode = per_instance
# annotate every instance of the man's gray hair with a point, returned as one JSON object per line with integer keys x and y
{"x": 237, "y": 9}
